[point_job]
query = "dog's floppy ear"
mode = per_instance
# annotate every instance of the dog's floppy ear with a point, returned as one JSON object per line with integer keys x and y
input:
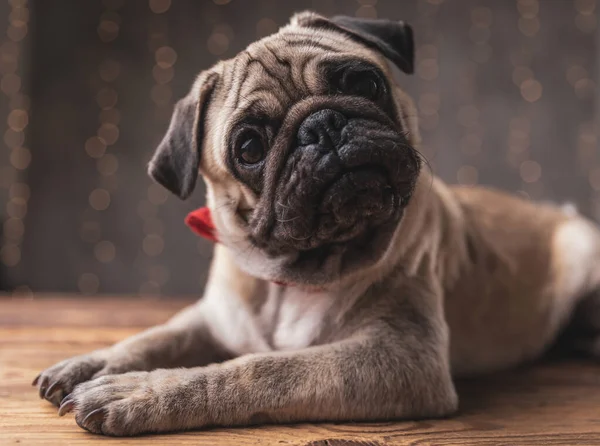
{"x": 177, "y": 158}
{"x": 393, "y": 39}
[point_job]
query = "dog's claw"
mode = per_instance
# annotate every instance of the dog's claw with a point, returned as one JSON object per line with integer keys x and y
{"x": 95, "y": 417}
{"x": 66, "y": 406}
{"x": 43, "y": 387}
{"x": 35, "y": 381}
{"x": 55, "y": 386}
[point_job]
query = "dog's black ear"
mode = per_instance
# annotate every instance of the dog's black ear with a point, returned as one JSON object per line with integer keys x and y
{"x": 177, "y": 158}
{"x": 393, "y": 39}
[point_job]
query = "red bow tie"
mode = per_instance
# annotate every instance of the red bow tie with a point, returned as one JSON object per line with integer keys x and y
{"x": 201, "y": 223}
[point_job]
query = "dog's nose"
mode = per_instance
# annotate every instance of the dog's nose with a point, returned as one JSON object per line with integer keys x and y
{"x": 323, "y": 128}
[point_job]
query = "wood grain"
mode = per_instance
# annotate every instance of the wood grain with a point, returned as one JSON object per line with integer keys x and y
{"x": 552, "y": 403}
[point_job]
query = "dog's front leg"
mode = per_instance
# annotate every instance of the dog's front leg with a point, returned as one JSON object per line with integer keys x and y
{"x": 184, "y": 341}
{"x": 381, "y": 372}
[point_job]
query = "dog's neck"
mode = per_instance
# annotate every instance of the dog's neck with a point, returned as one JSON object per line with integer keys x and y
{"x": 201, "y": 223}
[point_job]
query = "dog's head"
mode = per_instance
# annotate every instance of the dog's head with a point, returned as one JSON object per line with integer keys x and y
{"x": 306, "y": 144}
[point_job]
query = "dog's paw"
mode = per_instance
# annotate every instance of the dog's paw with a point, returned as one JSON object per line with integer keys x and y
{"x": 128, "y": 404}
{"x": 58, "y": 381}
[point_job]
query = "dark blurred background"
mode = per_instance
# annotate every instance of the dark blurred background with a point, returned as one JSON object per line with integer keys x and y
{"x": 506, "y": 92}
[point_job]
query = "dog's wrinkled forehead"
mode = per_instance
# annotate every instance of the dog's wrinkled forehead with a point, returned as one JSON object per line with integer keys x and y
{"x": 263, "y": 81}
{"x": 281, "y": 69}
{"x": 290, "y": 64}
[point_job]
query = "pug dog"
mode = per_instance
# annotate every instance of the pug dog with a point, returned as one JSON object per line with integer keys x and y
{"x": 348, "y": 282}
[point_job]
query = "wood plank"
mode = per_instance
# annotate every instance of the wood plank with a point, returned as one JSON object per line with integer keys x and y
{"x": 555, "y": 402}
{"x": 109, "y": 311}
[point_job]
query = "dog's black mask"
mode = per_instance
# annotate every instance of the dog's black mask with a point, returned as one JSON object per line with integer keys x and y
{"x": 340, "y": 182}
{"x": 346, "y": 176}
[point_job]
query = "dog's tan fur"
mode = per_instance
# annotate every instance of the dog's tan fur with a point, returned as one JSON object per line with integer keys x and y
{"x": 473, "y": 281}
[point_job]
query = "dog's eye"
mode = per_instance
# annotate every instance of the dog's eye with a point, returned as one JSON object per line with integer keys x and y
{"x": 251, "y": 151}
{"x": 363, "y": 84}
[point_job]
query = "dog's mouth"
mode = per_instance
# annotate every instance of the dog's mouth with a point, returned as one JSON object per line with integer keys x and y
{"x": 311, "y": 213}
{"x": 359, "y": 198}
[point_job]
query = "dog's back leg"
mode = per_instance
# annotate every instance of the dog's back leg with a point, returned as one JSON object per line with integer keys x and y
{"x": 582, "y": 336}
{"x": 577, "y": 254}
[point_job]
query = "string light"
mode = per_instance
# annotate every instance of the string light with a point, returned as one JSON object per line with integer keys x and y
{"x": 161, "y": 94}
{"x": 530, "y": 171}
{"x": 586, "y": 20}
{"x": 13, "y": 176}
{"x": 480, "y": 32}
{"x": 429, "y": 102}
{"x": 428, "y": 99}
{"x": 159, "y": 6}
{"x": 367, "y": 9}
{"x": 531, "y": 90}
{"x": 100, "y": 148}
{"x": 88, "y": 283}
{"x": 528, "y": 24}
{"x": 265, "y": 27}
{"x": 220, "y": 39}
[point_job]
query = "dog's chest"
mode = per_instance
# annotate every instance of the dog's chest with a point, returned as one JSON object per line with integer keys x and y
{"x": 287, "y": 318}
{"x": 292, "y": 318}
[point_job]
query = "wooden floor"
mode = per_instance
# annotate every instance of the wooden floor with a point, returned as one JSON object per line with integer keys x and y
{"x": 554, "y": 403}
